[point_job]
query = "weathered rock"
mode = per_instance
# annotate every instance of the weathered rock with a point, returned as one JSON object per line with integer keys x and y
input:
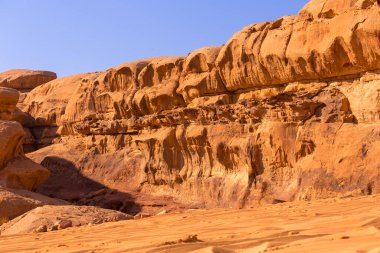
{"x": 63, "y": 224}
{"x": 200, "y": 76}
{"x": 47, "y": 104}
{"x": 17, "y": 171}
{"x": 245, "y": 123}
{"x": 11, "y": 137}
{"x": 23, "y": 79}
{"x": 158, "y": 82}
{"x": 326, "y": 39}
{"x": 8, "y": 100}
{"x": 60, "y": 217}
{"x": 41, "y": 229}
{"x": 23, "y": 173}
{"x": 16, "y": 202}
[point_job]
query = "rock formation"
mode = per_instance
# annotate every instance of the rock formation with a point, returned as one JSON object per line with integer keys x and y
{"x": 16, "y": 171}
{"x": 16, "y": 202}
{"x": 23, "y": 79}
{"x": 51, "y": 218}
{"x": 326, "y": 39}
{"x": 285, "y": 110}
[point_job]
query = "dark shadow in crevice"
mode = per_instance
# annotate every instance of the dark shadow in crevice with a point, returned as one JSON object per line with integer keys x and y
{"x": 68, "y": 183}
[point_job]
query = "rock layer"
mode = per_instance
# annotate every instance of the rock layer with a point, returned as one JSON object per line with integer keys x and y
{"x": 324, "y": 40}
{"x": 285, "y": 110}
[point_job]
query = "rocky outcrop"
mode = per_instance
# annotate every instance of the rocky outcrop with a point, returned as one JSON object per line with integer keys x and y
{"x": 16, "y": 171}
{"x": 51, "y": 217}
{"x": 326, "y": 39}
{"x": 23, "y": 79}
{"x": 286, "y": 110}
{"x": 8, "y": 100}
{"x": 13, "y": 203}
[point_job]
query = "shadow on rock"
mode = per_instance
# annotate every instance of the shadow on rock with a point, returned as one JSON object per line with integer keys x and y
{"x": 67, "y": 183}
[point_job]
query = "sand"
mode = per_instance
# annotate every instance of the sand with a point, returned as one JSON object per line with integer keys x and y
{"x": 332, "y": 225}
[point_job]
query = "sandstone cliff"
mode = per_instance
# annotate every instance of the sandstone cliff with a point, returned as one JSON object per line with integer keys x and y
{"x": 285, "y": 110}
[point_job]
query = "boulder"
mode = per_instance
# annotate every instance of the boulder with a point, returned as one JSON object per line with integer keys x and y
{"x": 17, "y": 171}
{"x": 60, "y": 217}
{"x": 8, "y": 99}
{"x": 16, "y": 202}
{"x": 23, "y": 79}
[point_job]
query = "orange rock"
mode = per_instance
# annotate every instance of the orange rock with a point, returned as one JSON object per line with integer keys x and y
{"x": 249, "y": 122}
{"x": 200, "y": 76}
{"x": 16, "y": 202}
{"x": 8, "y": 100}
{"x": 23, "y": 79}
{"x": 326, "y": 39}
{"x": 67, "y": 215}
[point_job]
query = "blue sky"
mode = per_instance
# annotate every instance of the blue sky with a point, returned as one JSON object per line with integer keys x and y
{"x": 74, "y": 36}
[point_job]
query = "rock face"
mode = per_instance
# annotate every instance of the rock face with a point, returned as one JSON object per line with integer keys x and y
{"x": 286, "y": 110}
{"x": 326, "y": 39}
{"x": 16, "y": 171}
{"x": 60, "y": 216}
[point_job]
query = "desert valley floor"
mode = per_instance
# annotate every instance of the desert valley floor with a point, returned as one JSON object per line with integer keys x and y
{"x": 343, "y": 224}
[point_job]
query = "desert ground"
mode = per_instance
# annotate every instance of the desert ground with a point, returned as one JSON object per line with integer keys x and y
{"x": 347, "y": 224}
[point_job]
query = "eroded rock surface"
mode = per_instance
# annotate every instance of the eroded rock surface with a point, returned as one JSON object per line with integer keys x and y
{"x": 16, "y": 202}
{"x": 326, "y": 39}
{"x": 23, "y": 79}
{"x": 51, "y": 216}
{"x": 16, "y": 170}
{"x": 285, "y": 110}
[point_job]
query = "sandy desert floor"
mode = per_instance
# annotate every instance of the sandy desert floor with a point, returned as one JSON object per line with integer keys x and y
{"x": 332, "y": 225}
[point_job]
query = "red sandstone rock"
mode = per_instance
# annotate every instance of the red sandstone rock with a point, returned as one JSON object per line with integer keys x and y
{"x": 67, "y": 216}
{"x": 23, "y": 79}
{"x": 249, "y": 122}
{"x": 16, "y": 202}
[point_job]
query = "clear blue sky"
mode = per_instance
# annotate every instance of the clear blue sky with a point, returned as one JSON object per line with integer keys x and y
{"x": 74, "y": 36}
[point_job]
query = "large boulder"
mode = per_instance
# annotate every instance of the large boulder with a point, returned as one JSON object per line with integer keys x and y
{"x": 17, "y": 171}
{"x": 8, "y": 100}
{"x": 16, "y": 202}
{"x": 11, "y": 138}
{"x": 23, "y": 79}
{"x": 49, "y": 215}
